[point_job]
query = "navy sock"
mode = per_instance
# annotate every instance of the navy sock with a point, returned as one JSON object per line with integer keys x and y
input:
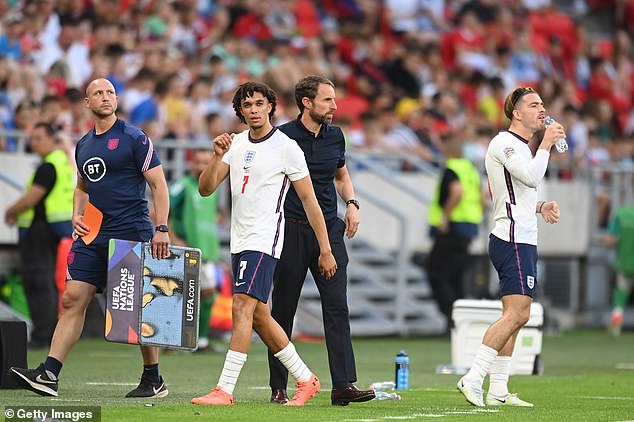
{"x": 151, "y": 372}
{"x": 53, "y": 365}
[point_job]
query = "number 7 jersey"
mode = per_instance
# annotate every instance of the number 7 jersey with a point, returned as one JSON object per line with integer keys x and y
{"x": 260, "y": 173}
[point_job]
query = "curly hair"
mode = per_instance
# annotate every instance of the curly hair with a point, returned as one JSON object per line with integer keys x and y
{"x": 246, "y": 90}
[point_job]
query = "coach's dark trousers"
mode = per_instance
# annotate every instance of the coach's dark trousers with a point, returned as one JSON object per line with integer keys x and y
{"x": 38, "y": 253}
{"x": 300, "y": 253}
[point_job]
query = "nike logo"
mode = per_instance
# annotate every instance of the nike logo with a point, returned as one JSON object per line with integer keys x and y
{"x": 501, "y": 401}
{"x": 240, "y": 284}
{"x": 157, "y": 390}
{"x": 246, "y": 167}
{"x": 43, "y": 381}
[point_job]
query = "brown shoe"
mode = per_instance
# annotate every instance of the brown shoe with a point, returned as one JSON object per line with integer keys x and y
{"x": 278, "y": 395}
{"x": 350, "y": 393}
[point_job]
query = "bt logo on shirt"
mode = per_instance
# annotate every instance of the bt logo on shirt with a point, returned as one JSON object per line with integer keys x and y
{"x": 95, "y": 169}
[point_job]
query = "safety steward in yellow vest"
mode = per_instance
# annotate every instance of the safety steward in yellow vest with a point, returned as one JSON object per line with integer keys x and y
{"x": 43, "y": 214}
{"x": 454, "y": 215}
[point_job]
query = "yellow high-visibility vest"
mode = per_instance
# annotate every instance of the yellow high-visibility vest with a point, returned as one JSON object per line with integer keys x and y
{"x": 469, "y": 209}
{"x": 59, "y": 201}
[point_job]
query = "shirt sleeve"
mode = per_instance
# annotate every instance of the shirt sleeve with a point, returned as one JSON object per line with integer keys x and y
{"x": 613, "y": 227}
{"x": 145, "y": 155}
{"x": 295, "y": 165}
{"x": 342, "y": 155}
{"x": 529, "y": 172}
{"x": 45, "y": 176}
{"x": 447, "y": 177}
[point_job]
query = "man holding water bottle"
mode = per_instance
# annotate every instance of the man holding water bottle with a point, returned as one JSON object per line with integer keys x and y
{"x": 514, "y": 175}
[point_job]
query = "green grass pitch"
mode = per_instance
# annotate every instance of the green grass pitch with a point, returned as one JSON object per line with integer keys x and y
{"x": 588, "y": 376}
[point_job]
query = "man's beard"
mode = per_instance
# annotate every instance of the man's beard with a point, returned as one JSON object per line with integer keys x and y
{"x": 102, "y": 115}
{"x": 320, "y": 118}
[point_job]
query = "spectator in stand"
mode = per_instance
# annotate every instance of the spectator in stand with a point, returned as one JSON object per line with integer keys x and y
{"x": 10, "y": 41}
{"x": 23, "y": 120}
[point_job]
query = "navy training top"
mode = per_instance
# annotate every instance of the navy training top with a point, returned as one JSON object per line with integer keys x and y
{"x": 112, "y": 166}
{"x": 324, "y": 153}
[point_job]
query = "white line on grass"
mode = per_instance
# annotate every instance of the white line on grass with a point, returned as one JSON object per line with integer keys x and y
{"x": 259, "y": 388}
{"x": 427, "y": 415}
{"x": 625, "y": 366}
{"x": 607, "y": 398}
{"x": 66, "y": 400}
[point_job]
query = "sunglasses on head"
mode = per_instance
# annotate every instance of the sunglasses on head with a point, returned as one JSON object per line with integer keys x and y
{"x": 518, "y": 94}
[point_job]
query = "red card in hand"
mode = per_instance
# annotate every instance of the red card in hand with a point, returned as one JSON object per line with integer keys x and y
{"x": 92, "y": 218}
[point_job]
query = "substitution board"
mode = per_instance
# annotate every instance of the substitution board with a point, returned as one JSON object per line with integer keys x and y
{"x": 149, "y": 301}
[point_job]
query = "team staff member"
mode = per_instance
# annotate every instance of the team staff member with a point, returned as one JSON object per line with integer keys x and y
{"x": 114, "y": 162}
{"x": 514, "y": 175}
{"x": 324, "y": 149}
{"x": 453, "y": 216}
{"x": 44, "y": 216}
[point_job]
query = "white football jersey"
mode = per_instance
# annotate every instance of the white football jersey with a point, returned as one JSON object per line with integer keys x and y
{"x": 260, "y": 172}
{"x": 513, "y": 178}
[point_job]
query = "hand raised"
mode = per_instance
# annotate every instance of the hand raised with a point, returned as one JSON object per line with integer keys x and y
{"x": 222, "y": 143}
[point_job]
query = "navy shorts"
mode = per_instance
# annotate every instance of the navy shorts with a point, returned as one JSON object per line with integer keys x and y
{"x": 253, "y": 274}
{"x": 516, "y": 264}
{"x": 89, "y": 263}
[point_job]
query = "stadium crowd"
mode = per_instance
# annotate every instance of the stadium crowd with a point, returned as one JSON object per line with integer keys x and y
{"x": 409, "y": 73}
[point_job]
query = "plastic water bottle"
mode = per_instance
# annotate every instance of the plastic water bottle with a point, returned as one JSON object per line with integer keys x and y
{"x": 383, "y": 386}
{"x": 383, "y": 395}
{"x": 561, "y": 145}
{"x": 402, "y": 371}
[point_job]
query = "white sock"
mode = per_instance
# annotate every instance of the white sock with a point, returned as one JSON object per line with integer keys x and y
{"x": 295, "y": 365}
{"x": 499, "y": 376}
{"x": 481, "y": 364}
{"x": 231, "y": 370}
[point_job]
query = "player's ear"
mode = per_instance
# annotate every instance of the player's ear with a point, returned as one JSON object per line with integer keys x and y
{"x": 306, "y": 101}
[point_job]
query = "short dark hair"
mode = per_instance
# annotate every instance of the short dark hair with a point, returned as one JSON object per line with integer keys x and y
{"x": 246, "y": 90}
{"x": 308, "y": 87}
{"x": 48, "y": 128}
{"x": 513, "y": 98}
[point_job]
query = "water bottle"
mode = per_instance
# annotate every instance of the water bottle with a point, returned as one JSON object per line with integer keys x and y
{"x": 383, "y": 395}
{"x": 402, "y": 371}
{"x": 382, "y": 386}
{"x": 561, "y": 145}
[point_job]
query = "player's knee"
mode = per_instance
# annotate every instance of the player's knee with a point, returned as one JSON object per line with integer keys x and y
{"x": 520, "y": 318}
{"x": 71, "y": 301}
{"x": 241, "y": 306}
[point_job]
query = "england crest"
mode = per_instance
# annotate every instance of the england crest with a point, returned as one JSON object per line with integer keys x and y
{"x": 249, "y": 156}
{"x": 113, "y": 144}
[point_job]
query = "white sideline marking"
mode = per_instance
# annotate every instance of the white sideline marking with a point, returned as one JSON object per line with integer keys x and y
{"x": 429, "y": 415}
{"x": 111, "y": 383}
{"x": 259, "y": 388}
{"x": 607, "y": 398}
{"x": 56, "y": 399}
{"x": 625, "y": 366}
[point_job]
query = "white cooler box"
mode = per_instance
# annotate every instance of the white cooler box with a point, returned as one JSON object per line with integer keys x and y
{"x": 472, "y": 317}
